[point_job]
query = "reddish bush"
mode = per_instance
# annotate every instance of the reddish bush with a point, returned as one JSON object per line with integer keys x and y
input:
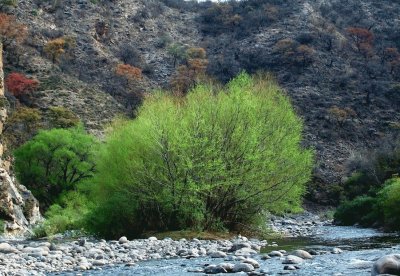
{"x": 129, "y": 72}
{"x": 20, "y": 85}
{"x": 362, "y": 38}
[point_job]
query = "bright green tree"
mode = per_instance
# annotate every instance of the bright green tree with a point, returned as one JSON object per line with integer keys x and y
{"x": 217, "y": 158}
{"x": 389, "y": 203}
{"x": 55, "y": 161}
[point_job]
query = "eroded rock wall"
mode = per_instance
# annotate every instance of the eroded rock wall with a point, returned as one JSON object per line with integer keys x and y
{"x": 19, "y": 210}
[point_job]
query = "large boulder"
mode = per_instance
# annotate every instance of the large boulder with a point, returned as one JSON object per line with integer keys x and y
{"x": 389, "y": 264}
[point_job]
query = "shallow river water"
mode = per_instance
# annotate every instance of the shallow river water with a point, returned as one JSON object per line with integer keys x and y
{"x": 361, "y": 247}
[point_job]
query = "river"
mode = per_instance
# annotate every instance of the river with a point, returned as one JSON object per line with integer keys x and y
{"x": 361, "y": 247}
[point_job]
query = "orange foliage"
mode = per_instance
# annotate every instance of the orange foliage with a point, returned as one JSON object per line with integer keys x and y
{"x": 292, "y": 53}
{"x": 11, "y": 30}
{"x": 196, "y": 53}
{"x": 341, "y": 115}
{"x": 20, "y": 85}
{"x": 129, "y": 72}
{"x": 188, "y": 75}
{"x": 57, "y": 47}
{"x": 362, "y": 38}
{"x": 304, "y": 54}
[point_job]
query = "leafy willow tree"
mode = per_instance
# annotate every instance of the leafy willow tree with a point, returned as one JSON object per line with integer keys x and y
{"x": 54, "y": 162}
{"x": 216, "y": 158}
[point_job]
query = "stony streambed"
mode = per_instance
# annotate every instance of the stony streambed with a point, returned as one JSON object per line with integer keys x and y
{"x": 326, "y": 250}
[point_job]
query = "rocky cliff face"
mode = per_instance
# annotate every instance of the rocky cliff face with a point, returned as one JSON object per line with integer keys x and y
{"x": 19, "y": 210}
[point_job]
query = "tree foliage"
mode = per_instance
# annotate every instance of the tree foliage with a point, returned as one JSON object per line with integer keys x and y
{"x": 215, "y": 159}
{"x": 61, "y": 117}
{"x": 129, "y": 72}
{"x": 54, "y": 162}
{"x": 177, "y": 53}
{"x": 59, "y": 47}
{"x": 11, "y": 31}
{"x": 389, "y": 203}
{"x": 363, "y": 39}
{"x": 191, "y": 72}
{"x": 21, "y": 126}
{"x": 19, "y": 85}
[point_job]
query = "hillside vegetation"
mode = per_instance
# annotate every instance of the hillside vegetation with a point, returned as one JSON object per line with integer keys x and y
{"x": 339, "y": 62}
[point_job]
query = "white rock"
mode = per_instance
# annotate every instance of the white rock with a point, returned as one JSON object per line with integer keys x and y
{"x": 275, "y": 254}
{"x": 227, "y": 266}
{"x": 336, "y": 251}
{"x": 253, "y": 262}
{"x": 292, "y": 260}
{"x": 218, "y": 254}
{"x": 302, "y": 254}
{"x": 245, "y": 252}
{"x": 242, "y": 268}
{"x": 6, "y": 248}
{"x": 123, "y": 240}
{"x": 99, "y": 262}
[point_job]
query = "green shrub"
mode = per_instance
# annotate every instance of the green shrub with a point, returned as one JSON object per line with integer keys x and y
{"x": 214, "y": 159}
{"x": 21, "y": 126}
{"x": 61, "y": 117}
{"x": 389, "y": 201}
{"x": 8, "y": 3}
{"x": 55, "y": 161}
{"x": 361, "y": 210}
{"x": 67, "y": 214}
{"x": 360, "y": 183}
{"x": 2, "y": 226}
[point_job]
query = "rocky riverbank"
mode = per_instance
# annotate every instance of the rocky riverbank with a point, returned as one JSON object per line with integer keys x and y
{"x": 236, "y": 255}
{"x": 311, "y": 247}
{"x": 306, "y": 224}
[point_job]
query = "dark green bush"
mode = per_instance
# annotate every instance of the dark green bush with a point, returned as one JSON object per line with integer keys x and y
{"x": 215, "y": 159}
{"x": 361, "y": 210}
{"x": 370, "y": 169}
{"x": 55, "y": 161}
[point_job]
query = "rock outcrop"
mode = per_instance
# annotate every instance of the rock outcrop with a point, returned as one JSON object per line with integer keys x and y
{"x": 19, "y": 209}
